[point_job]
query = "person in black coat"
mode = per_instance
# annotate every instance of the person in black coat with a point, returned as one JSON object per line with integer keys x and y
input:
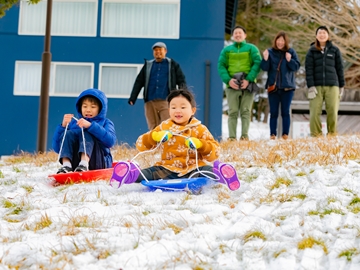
{"x": 281, "y": 62}
{"x": 158, "y": 77}
{"x": 325, "y": 81}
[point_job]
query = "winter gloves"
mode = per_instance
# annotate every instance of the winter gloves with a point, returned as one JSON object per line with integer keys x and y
{"x": 193, "y": 143}
{"x": 341, "y": 92}
{"x": 312, "y": 92}
{"x": 161, "y": 136}
{"x": 164, "y": 135}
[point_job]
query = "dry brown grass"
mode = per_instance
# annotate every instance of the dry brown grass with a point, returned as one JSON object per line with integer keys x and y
{"x": 263, "y": 153}
{"x": 36, "y": 159}
{"x": 301, "y": 152}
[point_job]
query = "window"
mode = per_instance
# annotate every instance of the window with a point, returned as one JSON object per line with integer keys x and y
{"x": 140, "y": 18}
{"x": 69, "y": 18}
{"x": 117, "y": 80}
{"x": 66, "y": 79}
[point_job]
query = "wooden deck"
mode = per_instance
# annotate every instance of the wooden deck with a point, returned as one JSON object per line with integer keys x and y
{"x": 346, "y": 107}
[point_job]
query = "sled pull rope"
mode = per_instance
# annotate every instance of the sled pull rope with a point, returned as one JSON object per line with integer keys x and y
{"x": 84, "y": 144}
{"x": 205, "y": 173}
{"x": 143, "y": 152}
{"x": 147, "y": 151}
{"x": 63, "y": 139}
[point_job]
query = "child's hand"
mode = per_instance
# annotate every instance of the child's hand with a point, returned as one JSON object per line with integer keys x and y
{"x": 161, "y": 136}
{"x": 67, "y": 119}
{"x": 83, "y": 123}
{"x": 193, "y": 143}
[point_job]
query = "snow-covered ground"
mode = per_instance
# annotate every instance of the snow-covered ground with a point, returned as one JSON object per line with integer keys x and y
{"x": 284, "y": 216}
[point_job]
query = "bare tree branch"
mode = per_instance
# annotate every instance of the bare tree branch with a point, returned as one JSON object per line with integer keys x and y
{"x": 342, "y": 19}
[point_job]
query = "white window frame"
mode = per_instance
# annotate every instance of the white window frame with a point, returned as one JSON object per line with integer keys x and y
{"x": 94, "y": 27}
{"x": 52, "y": 78}
{"x": 137, "y": 66}
{"x": 175, "y": 36}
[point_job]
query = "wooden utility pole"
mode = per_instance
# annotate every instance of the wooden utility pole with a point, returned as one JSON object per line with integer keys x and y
{"x": 45, "y": 84}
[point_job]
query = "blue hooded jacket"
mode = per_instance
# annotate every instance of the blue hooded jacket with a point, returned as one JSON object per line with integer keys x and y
{"x": 101, "y": 128}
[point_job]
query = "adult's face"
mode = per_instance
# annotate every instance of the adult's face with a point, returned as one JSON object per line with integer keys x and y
{"x": 239, "y": 35}
{"x": 280, "y": 43}
{"x": 159, "y": 53}
{"x": 322, "y": 36}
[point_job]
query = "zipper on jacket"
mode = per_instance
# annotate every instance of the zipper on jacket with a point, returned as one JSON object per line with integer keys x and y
{"x": 324, "y": 60}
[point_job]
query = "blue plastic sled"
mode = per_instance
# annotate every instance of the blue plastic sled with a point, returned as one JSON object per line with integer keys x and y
{"x": 183, "y": 184}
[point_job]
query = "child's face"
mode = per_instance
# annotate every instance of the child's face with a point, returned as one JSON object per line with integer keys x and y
{"x": 89, "y": 109}
{"x": 180, "y": 110}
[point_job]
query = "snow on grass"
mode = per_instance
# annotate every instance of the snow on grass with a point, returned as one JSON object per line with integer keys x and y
{"x": 298, "y": 207}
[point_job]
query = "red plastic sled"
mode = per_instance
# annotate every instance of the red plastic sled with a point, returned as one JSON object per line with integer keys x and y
{"x": 80, "y": 177}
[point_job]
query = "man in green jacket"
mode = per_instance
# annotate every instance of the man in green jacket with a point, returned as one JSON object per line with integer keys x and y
{"x": 239, "y": 57}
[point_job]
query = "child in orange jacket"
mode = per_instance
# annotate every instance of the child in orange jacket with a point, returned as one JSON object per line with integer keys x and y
{"x": 187, "y": 148}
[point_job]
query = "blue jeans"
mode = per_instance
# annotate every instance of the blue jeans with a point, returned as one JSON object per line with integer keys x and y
{"x": 73, "y": 147}
{"x": 282, "y": 98}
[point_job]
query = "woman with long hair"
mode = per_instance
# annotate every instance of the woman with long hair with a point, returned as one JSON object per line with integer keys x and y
{"x": 281, "y": 62}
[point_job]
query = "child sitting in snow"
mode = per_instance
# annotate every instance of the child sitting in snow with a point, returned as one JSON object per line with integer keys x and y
{"x": 182, "y": 135}
{"x": 92, "y": 129}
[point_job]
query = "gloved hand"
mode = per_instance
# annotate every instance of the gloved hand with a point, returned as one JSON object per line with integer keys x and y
{"x": 161, "y": 136}
{"x": 341, "y": 92}
{"x": 193, "y": 143}
{"x": 312, "y": 92}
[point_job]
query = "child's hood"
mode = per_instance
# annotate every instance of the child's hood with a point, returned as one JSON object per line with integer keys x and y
{"x": 101, "y": 97}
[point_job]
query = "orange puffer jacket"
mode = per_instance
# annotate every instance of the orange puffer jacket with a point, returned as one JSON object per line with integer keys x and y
{"x": 175, "y": 155}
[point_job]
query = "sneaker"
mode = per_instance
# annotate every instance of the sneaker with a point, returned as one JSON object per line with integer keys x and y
{"x": 64, "y": 169}
{"x": 227, "y": 175}
{"x": 124, "y": 173}
{"x": 81, "y": 168}
{"x": 273, "y": 137}
{"x": 285, "y": 136}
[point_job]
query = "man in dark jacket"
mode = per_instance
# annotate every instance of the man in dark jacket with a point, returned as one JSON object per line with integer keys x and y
{"x": 158, "y": 77}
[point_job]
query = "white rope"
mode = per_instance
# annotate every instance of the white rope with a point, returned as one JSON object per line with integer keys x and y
{"x": 62, "y": 142}
{"x": 143, "y": 152}
{"x": 83, "y": 137}
{"x": 203, "y": 173}
{"x": 84, "y": 144}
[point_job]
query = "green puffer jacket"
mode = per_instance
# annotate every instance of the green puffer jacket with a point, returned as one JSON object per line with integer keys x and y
{"x": 239, "y": 57}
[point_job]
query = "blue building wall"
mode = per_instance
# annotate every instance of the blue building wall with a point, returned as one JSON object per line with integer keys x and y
{"x": 201, "y": 39}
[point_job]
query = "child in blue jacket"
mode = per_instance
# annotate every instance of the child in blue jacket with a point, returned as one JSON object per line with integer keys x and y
{"x": 91, "y": 129}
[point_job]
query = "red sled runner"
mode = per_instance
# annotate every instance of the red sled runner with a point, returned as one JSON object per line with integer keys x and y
{"x": 83, "y": 177}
